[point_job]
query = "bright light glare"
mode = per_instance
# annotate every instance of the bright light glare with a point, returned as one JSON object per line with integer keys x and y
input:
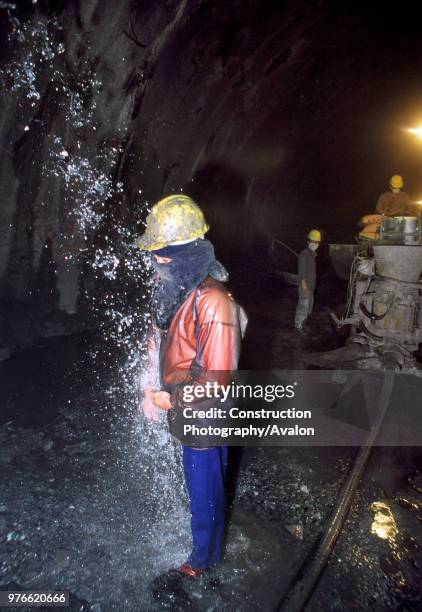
{"x": 416, "y": 131}
{"x": 418, "y": 202}
{"x": 384, "y": 525}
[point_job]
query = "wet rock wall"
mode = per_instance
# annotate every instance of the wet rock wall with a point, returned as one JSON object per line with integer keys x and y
{"x": 57, "y": 110}
{"x": 107, "y": 109}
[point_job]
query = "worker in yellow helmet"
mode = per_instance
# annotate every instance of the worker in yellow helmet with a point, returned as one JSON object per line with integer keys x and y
{"x": 307, "y": 279}
{"x": 196, "y": 330}
{"x": 395, "y": 202}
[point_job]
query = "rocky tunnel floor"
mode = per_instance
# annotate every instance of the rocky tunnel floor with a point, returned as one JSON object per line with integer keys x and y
{"x": 93, "y": 499}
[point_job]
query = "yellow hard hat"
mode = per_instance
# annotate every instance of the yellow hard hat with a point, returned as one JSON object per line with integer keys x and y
{"x": 396, "y": 181}
{"x": 174, "y": 219}
{"x": 315, "y": 235}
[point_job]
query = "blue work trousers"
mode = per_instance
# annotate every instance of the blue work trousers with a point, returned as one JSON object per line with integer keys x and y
{"x": 205, "y": 472}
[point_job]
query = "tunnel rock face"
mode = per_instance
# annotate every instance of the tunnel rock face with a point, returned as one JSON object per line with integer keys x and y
{"x": 106, "y": 107}
{"x": 261, "y": 111}
{"x": 63, "y": 134}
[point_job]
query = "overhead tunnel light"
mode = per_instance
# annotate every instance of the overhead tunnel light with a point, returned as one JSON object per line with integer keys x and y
{"x": 416, "y": 131}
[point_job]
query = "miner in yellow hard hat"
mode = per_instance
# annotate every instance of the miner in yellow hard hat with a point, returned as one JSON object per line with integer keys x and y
{"x": 395, "y": 202}
{"x": 195, "y": 333}
{"x": 306, "y": 279}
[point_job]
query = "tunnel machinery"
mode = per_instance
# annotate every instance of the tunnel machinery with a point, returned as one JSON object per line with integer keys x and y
{"x": 384, "y": 295}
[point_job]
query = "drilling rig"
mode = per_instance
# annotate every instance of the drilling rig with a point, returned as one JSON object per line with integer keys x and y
{"x": 384, "y": 296}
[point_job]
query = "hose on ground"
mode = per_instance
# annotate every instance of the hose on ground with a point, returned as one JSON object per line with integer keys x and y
{"x": 304, "y": 584}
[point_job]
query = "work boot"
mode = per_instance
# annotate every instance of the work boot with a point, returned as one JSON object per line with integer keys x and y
{"x": 192, "y": 572}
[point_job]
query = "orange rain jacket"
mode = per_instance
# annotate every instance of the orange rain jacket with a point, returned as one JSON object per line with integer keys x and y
{"x": 203, "y": 340}
{"x": 202, "y": 345}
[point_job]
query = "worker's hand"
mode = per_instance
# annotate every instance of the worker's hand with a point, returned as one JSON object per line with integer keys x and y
{"x": 162, "y": 399}
{"x": 149, "y": 408}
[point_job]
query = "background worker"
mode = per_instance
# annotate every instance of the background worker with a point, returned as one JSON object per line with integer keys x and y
{"x": 200, "y": 326}
{"x": 395, "y": 202}
{"x": 307, "y": 279}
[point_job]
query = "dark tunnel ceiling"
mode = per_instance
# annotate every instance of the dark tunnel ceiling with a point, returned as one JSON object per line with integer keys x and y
{"x": 295, "y": 108}
{"x": 310, "y": 100}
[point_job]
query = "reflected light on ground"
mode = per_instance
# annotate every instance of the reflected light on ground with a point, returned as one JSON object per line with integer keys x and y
{"x": 384, "y": 525}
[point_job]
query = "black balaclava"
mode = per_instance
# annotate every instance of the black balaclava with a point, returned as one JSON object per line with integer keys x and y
{"x": 191, "y": 264}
